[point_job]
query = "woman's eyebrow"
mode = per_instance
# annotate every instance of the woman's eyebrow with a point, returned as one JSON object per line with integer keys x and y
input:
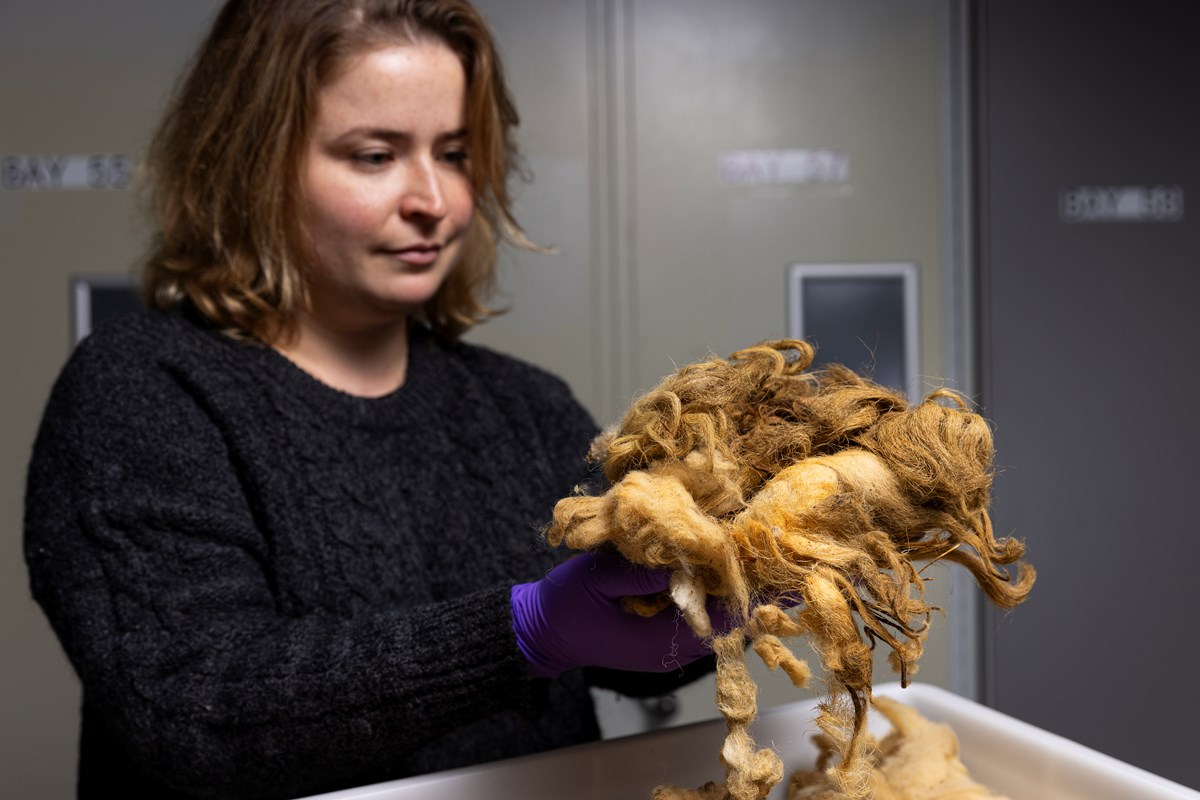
{"x": 371, "y": 132}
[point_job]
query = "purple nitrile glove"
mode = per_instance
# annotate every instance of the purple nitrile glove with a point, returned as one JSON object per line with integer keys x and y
{"x": 573, "y": 618}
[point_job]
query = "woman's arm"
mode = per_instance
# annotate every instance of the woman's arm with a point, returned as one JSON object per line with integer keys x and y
{"x": 145, "y": 552}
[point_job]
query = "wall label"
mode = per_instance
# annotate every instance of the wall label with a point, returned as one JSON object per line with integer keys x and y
{"x": 1121, "y": 204}
{"x": 98, "y": 171}
{"x": 766, "y": 167}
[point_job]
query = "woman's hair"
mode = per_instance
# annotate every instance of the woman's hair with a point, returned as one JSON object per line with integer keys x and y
{"x": 222, "y": 174}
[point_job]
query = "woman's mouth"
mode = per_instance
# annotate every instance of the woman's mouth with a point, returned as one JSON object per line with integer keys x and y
{"x": 417, "y": 255}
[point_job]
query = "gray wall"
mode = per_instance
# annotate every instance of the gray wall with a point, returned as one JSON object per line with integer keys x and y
{"x": 1089, "y": 343}
{"x": 627, "y": 106}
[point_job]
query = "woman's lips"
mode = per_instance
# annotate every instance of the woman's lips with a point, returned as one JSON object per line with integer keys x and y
{"x": 422, "y": 255}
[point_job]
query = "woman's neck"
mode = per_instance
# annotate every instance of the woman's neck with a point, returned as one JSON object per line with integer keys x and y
{"x": 365, "y": 362}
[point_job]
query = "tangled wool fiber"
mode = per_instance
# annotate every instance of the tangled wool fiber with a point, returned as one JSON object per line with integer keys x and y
{"x": 917, "y": 760}
{"x": 773, "y": 487}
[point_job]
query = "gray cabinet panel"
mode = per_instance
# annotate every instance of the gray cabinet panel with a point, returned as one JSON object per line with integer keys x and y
{"x": 1088, "y": 341}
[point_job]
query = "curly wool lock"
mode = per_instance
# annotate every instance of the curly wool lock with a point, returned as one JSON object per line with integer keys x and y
{"x": 766, "y": 484}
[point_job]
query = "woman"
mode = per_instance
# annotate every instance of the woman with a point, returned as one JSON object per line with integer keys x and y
{"x": 284, "y": 525}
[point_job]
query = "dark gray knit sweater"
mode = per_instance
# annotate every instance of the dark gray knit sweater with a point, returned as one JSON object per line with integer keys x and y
{"x": 270, "y": 588}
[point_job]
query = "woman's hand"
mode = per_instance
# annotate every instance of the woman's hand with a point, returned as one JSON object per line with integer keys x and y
{"x": 574, "y": 618}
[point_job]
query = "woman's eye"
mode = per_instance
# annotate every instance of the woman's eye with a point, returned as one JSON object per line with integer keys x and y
{"x": 373, "y": 158}
{"x": 456, "y": 157}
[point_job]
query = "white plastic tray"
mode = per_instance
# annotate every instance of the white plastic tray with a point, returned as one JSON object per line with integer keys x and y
{"x": 1008, "y": 756}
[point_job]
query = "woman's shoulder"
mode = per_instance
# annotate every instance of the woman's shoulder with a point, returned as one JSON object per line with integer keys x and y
{"x": 507, "y": 373}
{"x": 540, "y": 414}
{"x": 523, "y": 389}
{"x": 135, "y": 351}
{"x": 141, "y": 329}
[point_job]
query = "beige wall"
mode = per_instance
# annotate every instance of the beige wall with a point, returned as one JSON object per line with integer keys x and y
{"x": 626, "y": 107}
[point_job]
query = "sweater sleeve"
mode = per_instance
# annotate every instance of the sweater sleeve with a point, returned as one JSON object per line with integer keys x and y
{"x": 145, "y": 554}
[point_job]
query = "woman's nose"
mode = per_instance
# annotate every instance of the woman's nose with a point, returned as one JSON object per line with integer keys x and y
{"x": 424, "y": 196}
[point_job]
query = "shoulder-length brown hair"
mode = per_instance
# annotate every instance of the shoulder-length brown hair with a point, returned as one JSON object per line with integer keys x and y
{"x": 222, "y": 174}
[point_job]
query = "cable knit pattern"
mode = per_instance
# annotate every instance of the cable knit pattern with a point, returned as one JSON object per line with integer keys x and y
{"x": 270, "y": 588}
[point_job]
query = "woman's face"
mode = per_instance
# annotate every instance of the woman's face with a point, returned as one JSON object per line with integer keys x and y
{"x": 386, "y": 195}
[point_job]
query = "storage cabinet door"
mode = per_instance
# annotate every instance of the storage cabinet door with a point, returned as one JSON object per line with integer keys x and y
{"x": 1090, "y": 335}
